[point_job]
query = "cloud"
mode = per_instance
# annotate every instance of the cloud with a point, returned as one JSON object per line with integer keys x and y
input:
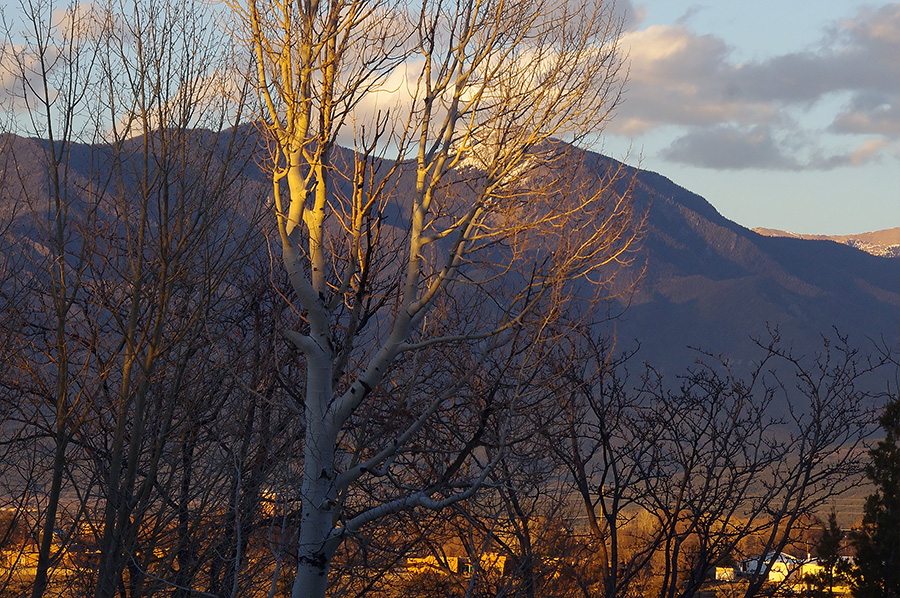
{"x": 868, "y": 151}
{"x": 22, "y": 76}
{"x": 880, "y": 25}
{"x": 729, "y": 147}
{"x": 679, "y": 78}
{"x": 631, "y": 15}
{"x": 82, "y": 21}
{"x": 869, "y": 114}
{"x": 25, "y": 68}
{"x": 857, "y": 55}
{"x": 691, "y": 81}
{"x": 689, "y": 14}
{"x": 200, "y": 101}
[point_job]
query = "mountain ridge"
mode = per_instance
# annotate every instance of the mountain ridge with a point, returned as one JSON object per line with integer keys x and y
{"x": 882, "y": 243}
{"x": 714, "y": 285}
{"x": 710, "y": 283}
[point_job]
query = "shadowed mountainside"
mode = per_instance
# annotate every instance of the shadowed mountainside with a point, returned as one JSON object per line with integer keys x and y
{"x": 713, "y": 284}
{"x": 709, "y": 282}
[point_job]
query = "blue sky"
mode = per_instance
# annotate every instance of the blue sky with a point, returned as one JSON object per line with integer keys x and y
{"x": 783, "y": 114}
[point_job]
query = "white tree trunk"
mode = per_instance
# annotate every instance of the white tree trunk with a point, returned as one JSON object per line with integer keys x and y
{"x": 318, "y": 491}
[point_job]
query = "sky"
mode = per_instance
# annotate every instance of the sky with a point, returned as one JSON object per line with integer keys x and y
{"x": 782, "y": 114}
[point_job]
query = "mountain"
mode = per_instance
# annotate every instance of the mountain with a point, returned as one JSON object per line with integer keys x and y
{"x": 884, "y": 243}
{"x": 708, "y": 282}
{"x": 715, "y": 285}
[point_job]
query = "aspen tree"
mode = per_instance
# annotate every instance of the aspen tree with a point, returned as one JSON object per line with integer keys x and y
{"x": 457, "y": 193}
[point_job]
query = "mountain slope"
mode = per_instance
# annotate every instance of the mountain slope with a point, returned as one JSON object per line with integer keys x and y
{"x": 713, "y": 284}
{"x": 884, "y": 243}
{"x": 708, "y": 282}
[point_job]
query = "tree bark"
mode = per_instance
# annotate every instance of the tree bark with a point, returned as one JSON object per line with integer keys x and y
{"x": 317, "y": 544}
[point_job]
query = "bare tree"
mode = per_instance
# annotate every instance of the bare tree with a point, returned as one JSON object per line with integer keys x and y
{"x": 475, "y": 224}
{"x": 133, "y": 231}
{"x": 711, "y": 463}
{"x": 52, "y": 72}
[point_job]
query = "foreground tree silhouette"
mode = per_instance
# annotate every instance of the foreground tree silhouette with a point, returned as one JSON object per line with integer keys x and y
{"x": 674, "y": 479}
{"x": 877, "y": 571}
{"x": 409, "y": 274}
{"x": 117, "y": 360}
